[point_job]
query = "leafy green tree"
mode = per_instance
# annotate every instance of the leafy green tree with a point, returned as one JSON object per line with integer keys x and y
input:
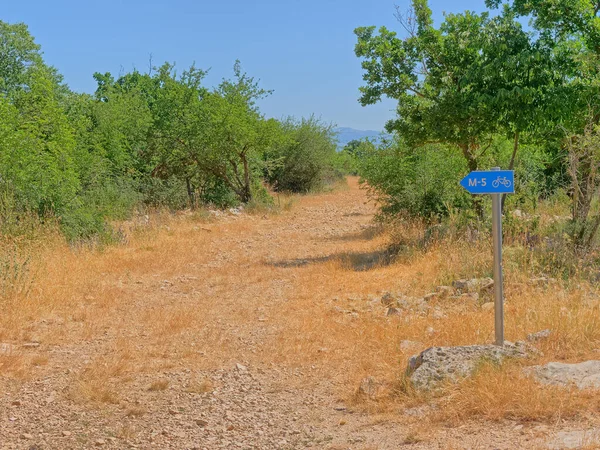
{"x": 18, "y": 54}
{"x": 36, "y": 143}
{"x": 430, "y": 73}
{"x": 462, "y": 83}
{"x": 468, "y": 80}
{"x": 238, "y": 135}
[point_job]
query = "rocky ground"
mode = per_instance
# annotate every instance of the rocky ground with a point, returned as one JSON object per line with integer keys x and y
{"x": 231, "y": 381}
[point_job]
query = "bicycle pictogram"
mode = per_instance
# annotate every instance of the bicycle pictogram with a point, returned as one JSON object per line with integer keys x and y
{"x": 501, "y": 181}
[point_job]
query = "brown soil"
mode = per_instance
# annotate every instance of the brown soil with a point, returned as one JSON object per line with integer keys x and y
{"x": 242, "y": 331}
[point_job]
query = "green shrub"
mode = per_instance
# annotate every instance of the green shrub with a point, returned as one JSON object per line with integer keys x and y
{"x": 420, "y": 183}
{"x": 302, "y": 162}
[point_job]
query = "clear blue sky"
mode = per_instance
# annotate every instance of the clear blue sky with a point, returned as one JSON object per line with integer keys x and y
{"x": 302, "y": 49}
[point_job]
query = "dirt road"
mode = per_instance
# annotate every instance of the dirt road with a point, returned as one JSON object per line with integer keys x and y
{"x": 236, "y": 331}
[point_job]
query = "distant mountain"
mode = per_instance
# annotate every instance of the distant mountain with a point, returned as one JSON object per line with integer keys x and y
{"x": 345, "y": 135}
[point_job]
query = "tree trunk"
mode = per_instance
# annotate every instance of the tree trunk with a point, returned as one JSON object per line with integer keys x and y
{"x": 191, "y": 193}
{"x": 246, "y": 190}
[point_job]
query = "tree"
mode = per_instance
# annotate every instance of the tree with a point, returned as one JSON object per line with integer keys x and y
{"x": 237, "y": 133}
{"x": 462, "y": 84}
{"x": 18, "y": 54}
{"x": 36, "y": 141}
{"x": 430, "y": 73}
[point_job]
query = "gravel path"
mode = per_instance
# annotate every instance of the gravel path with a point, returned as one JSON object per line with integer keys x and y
{"x": 219, "y": 383}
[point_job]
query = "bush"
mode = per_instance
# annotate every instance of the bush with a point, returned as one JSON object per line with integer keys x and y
{"x": 420, "y": 183}
{"x": 302, "y": 161}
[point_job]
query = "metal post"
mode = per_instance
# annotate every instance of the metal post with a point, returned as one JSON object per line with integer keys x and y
{"x": 498, "y": 281}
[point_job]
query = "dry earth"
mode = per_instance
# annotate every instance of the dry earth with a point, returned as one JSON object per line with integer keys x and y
{"x": 244, "y": 331}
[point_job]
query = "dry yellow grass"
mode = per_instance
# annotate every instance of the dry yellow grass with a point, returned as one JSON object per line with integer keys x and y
{"x": 290, "y": 290}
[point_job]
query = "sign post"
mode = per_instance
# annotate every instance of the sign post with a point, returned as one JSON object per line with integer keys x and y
{"x": 495, "y": 182}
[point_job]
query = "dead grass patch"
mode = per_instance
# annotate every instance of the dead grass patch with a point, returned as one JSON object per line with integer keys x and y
{"x": 200, "y": 386}
{"x": 14, "y": 365}
{"x": 158, "y": 385}
{"x": 136, "y": 411}
{"x": 211, "y": 296}
{"x": 506, "y": 393}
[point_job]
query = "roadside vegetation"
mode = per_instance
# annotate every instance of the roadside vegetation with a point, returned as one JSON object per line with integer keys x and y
{"x": 142, "y": 141}
{"x": 324, "y": 294}
{"x": 474, "y": 92}
{"x": 483, "y": 90}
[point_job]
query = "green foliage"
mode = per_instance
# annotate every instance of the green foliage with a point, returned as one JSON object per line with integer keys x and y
{"x": 420, "y": 184}
{"x": 467, "y": 82}
{"x": 36, "y": 148}
{"x": 303, "y": 160}
{"x": 348, "y": 160}
{"x": 159, "y": 139}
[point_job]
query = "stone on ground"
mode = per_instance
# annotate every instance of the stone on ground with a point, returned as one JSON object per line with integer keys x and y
{"x": 437, "y": 364}
{"x": 575, "y": 439}
{"x": 473, "y": 285}
{"x": 584, "y": 375}
{"x": 540, "y": 335}
{"x": 369, "y": 388}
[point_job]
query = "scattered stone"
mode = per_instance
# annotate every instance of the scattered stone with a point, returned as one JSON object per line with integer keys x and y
{"x": 488, "y": 306}
{"x": 31, "y": 345}
{"x": 473, "y": 285}
{"x": 5, "y": 349}
{"x": 575, "y": 439}
{"x": 444, "y": 291}
{"x": 66, "y": 433}
{"x": 99, "y": 442}
{"x": 430, "y": 331}
{"x": 369, "y": 387}
{"x": 241, "y": 367}
{"x": 26, "y": 436}
{"x": 437, "y": 364}
{"x": 541, "y": 281}
{"x": 540, "y": 335}
{"x": 392, "y": 312}
{"x": 430, "y": 296}
{"x": 584, "y": 375}
{"x": 470, "y": 296}
{"x": 438, "y": 314}
{"x": 201, "y": 422}
{"x": 388, "y": 299}
{"x": 16, "y": 403}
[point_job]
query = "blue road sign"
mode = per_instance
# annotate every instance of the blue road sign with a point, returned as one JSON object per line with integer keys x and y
{"x": 490, "y": 182}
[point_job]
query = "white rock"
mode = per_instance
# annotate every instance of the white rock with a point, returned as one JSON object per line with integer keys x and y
{"x": 544, "y": 334}
{"x": 584, "y": 375}
{"x": 369, "y": 387}
{"x": 575, "y": 439}
{"x": 489, "y": 306}
{"x": 5, "y": 349}
{"x": 392, "y": 312}
{"x": 436, "y": 364}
